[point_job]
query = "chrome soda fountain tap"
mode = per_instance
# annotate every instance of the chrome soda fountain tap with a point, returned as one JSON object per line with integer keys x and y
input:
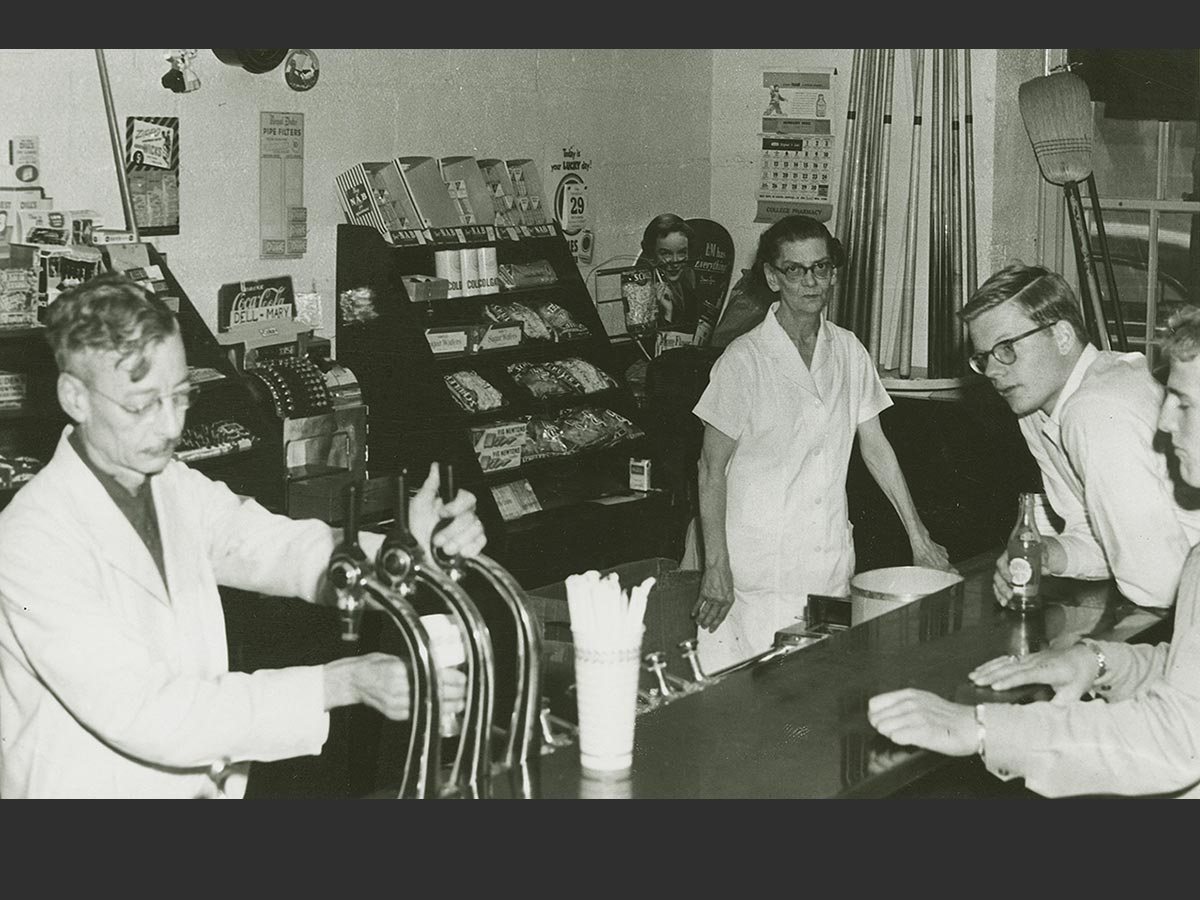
{"x": 687, "y": 649}
{"x": 348, "y": 572}
{"x": 402, "y": 561}
{"x": 347, "y": 568}
{"x": 523, "y": 728}
{"x": 656, "y": 662}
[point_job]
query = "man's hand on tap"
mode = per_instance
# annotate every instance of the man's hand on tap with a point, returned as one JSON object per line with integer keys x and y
{"x": 461, "y": 535}
{"x": 380, "y": 680}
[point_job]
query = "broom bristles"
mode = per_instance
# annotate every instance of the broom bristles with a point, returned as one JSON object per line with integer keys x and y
{"x": 1057, "y": 110}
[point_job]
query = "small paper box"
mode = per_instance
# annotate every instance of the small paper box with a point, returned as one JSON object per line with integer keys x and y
{"x": 527, "y": 187}
{"x": 430, "y": 196}
{"x": 468, "y": 189}
{"x": 425, "y": 287}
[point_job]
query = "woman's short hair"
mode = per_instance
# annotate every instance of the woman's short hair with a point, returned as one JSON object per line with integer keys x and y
{"x": 660, "y": 227}
{"x": 1182, "y": 343}
{"x": 108, "y": 313}
{"x": 1044, "y": 295}
{"x": 795, "y": 228}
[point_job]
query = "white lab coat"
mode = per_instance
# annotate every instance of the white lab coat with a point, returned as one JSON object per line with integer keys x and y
{"x": 116, "y": 685}
{"x": 786, "y": 522}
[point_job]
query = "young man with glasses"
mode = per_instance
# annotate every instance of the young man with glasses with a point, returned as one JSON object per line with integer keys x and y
{"x": 783, "y": 406}
{"x": 114, "y": 672}
{"x": 1142, "y": 738}
{"x": 1088, "y": 417}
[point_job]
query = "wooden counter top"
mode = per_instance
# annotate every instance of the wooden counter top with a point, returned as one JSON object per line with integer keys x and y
{"x": 796, "y": 726}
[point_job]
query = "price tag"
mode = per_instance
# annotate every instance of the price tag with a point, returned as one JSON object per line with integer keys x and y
{"x": 515, "y": 499}
{"x": 447, "y": 341}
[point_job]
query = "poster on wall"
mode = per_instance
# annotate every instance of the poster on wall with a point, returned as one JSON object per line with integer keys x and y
{"x": 152, "y": 172}
{"x": 282, "y": 216}
{"x": 797, "y": 145}
{"x": 572, "y": 206}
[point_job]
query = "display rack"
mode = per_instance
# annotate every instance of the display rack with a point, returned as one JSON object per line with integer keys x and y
{"x": 588, "y": 516}
{"x": 252, "y": 467}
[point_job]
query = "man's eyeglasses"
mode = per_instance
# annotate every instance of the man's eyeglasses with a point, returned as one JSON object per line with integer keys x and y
{"x": 181, "y": 399}
{"x": 793, "y": 272}
{"x": 1003, "y": 351}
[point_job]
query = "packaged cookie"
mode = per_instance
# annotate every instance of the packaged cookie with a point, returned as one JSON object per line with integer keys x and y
{"x": 562, "y": 324}
{"x": 472, "y": 391}
{"x": 541, "y": 379}
{"x": 589, "y": 378}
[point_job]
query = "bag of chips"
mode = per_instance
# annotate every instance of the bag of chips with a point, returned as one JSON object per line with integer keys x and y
{"x": 541, "y": 379}
{"x": 472, "y": 391}
{"x": 581, "y": 373}
{"x": 561, "y": 323}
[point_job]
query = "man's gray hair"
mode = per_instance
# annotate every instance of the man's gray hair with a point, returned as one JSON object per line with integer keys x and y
{"x": 108, "y": 313}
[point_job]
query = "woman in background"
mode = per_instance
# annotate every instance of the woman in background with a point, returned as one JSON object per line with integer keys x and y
{"x": 666, "y": 243}
{"x": 782, "y": 408}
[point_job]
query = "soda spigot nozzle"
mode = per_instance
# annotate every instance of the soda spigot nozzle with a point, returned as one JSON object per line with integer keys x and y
{"x": 398, "y": 554}
{"x": 347, "y": 569}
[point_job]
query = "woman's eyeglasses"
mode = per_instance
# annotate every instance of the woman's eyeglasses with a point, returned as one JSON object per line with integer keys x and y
{"x": 793, "y": 272}
{"x": 1003, "y": 351}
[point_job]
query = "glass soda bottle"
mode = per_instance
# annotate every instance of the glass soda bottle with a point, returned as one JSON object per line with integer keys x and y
{"x": 1025, "y": 557}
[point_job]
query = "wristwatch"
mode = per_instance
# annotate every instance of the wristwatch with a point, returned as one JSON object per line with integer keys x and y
{"x": 1098, "y": 652}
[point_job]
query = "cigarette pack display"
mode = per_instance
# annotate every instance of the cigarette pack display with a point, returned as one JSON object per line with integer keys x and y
{"x": 466, "y": 186}
{"x": 500, "y": 189}
{"x": 527, "y": 188}
{"x": 430, "y": 196}
{"x": 374, "y": 193}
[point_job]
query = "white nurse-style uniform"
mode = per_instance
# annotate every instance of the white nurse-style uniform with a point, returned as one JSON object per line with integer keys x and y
{"x": 786, "y": 522}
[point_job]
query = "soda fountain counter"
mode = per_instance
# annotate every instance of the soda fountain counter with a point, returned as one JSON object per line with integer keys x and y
{"x": 794, "y": 724}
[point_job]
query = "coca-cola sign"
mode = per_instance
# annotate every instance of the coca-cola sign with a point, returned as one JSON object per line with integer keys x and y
{"x": 250, "y": 302}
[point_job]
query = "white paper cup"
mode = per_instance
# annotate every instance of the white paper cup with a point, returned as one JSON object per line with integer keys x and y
{"x": 449, "y": 652}
{"x": 606, "y": 683}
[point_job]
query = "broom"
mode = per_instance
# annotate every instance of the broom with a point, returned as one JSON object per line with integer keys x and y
{"x": 1057, "y": 111}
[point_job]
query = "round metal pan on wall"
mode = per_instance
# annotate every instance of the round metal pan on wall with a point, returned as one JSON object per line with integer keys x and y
{"x": 254, "y": 61}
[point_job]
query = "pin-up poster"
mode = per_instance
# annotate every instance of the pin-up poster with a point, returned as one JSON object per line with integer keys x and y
{"x": 152, "y": 172}
{"x": 797, "y": 145}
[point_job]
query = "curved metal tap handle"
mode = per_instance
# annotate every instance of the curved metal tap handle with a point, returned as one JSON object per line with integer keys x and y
{"x": 403, "y": 560}
{"x": 423, "y": 760}
{"x": 473, "y": 762}
{"x": 523, "y": 731}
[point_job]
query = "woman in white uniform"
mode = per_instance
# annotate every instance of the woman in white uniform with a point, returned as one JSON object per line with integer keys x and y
{"x": 783, "y": 405}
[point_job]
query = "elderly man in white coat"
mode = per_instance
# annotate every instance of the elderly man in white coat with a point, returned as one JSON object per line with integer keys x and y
{"x": 114, "y": 676}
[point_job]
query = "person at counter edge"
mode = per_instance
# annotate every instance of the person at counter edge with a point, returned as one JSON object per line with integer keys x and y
{"x": 782, "y": 408}
{"x": 115, "y": 676}
{"x": 1142, "y": 737}
{"x": 1088, "y": 418}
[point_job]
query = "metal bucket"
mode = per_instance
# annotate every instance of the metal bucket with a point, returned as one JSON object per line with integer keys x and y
{"x": 881, "y": 590}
